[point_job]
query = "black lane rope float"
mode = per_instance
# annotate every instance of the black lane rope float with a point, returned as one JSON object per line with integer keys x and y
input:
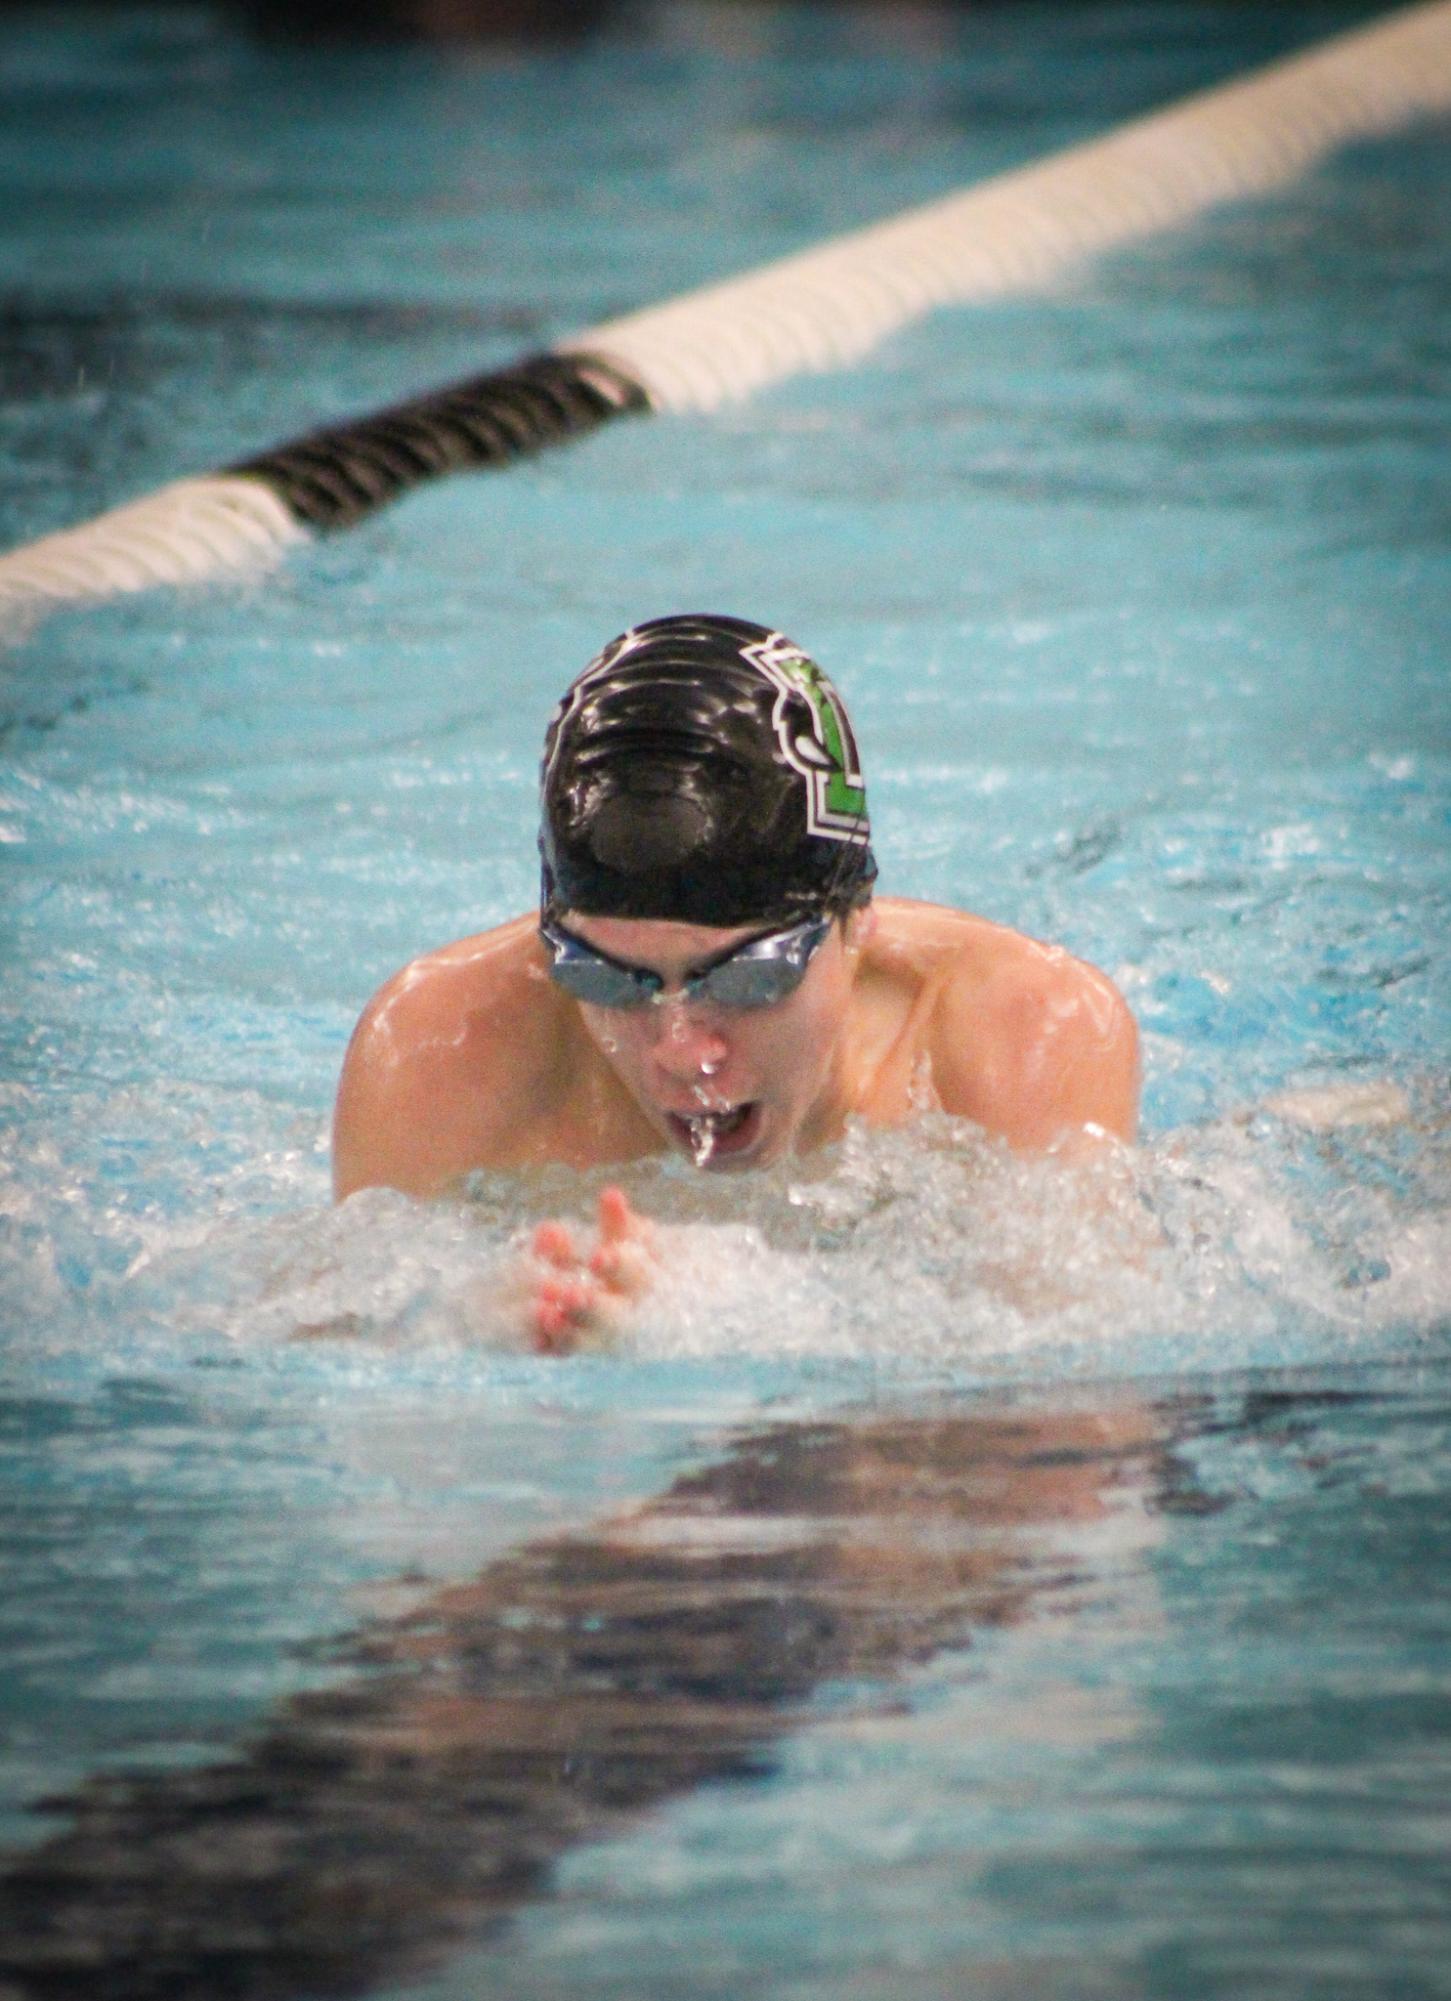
{"x": 332, "y": 478}
{"x": 823, "y": 308}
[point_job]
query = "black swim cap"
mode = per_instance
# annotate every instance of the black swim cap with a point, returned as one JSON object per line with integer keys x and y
{"x": 703, "y": 769}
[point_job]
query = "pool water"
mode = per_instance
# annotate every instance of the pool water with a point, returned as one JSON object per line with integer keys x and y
{"x": 966, "y": 1576}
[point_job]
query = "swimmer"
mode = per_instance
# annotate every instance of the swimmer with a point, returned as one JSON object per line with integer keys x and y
{"x": 710, "y": 973}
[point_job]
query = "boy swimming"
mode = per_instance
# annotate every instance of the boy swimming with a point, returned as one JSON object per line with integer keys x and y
{"x": 709, "y": 972}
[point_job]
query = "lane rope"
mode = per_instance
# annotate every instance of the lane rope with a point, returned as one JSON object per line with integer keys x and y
{"x": 1016, "y": 234}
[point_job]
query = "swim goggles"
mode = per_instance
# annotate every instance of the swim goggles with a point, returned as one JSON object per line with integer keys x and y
{"x": 758, "y": 973}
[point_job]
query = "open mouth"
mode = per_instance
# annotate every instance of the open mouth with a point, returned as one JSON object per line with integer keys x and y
{"x": 710, "y": 1137}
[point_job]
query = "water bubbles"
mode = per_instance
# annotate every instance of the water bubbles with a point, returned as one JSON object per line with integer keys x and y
{"x": 1315, "y": 1228}
{"x": 709, "y": 1099}
{"x": 702, "y": 1141}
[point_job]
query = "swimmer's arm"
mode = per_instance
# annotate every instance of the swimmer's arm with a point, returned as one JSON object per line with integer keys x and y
{"x": 1041, "y": 1051}
{"x": 1044, "y": 1054}
{"x": 386, "y": 1131}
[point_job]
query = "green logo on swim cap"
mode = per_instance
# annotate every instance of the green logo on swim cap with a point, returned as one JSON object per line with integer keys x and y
{"x": 836, "y": 799}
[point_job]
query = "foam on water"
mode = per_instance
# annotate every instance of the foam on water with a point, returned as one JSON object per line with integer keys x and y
{"x": 1315, "y": 1228}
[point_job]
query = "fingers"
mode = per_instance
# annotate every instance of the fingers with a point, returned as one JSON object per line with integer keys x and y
{"x": 554, "y": 1244}
{"x": 559, "y": 1295}
{"x": 624, "y": 1259}
{"x": 617, "y": 1219}
{"x": 571, "y": 1294}
{"x": 624, "y": 1268}
{"x": 620, "y": 1224}
{"x": 559, "y": 1313}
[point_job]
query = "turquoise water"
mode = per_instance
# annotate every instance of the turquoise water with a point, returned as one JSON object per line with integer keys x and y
{"x": 1139, "y": 593}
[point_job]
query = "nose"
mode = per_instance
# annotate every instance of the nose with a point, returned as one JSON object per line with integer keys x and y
{"x": 687, "y": 1045}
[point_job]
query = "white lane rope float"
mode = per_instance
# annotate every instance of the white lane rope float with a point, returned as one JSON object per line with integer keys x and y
{"x": 823, "y": 308}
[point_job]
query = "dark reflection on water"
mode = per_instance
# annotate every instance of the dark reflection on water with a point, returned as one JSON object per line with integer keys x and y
{"x": 373, "y": 1826}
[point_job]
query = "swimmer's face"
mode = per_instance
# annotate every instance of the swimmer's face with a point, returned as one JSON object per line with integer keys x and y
{"x": 730, "y": 1088}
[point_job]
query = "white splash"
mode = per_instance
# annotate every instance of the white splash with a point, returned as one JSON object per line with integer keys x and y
{"x": 1242, "y": 1242}
{"x": 702, "y": 1139}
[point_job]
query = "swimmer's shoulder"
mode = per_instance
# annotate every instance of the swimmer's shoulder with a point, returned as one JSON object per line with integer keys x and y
{"x": 1022, "y": 1036}
{"x": 917, "y": 942}
{"x": 930, "y": 955}
{"x": 451, "y": 1058}
{"x": 449, "y": 1005}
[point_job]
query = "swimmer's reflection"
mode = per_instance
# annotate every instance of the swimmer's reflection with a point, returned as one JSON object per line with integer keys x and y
{"x": 375, "y": 1825}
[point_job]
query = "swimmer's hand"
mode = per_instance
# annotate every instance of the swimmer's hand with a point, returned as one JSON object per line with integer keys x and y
{"x": 573, "y": 1293}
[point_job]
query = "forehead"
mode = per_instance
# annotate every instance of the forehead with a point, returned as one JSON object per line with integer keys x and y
{"x": 658, "y": 941}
